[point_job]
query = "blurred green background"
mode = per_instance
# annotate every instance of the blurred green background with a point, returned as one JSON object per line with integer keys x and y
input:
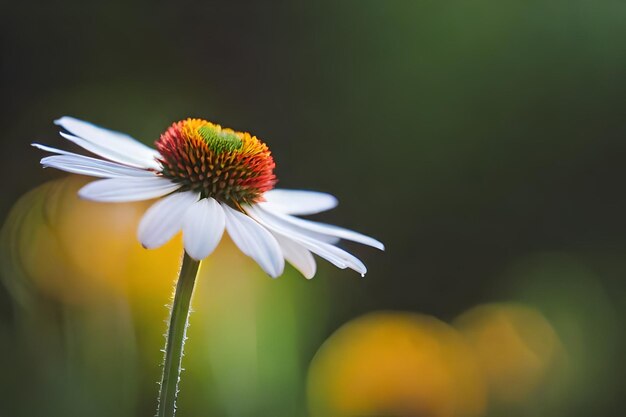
{"x": 483, "y": 142}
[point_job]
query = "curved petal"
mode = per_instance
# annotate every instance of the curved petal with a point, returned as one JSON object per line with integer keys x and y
{"x": 84, "y": 165}
{"x": 123, "y": 189}
{"x": 51, "y": 149}
{"x": 164, "y": 219}
{"x": 112, "y": 154}
{"x": 298, "y": 201}
{"x": 298, "y": 256}
{"x": 256, "y": 211}
{"x": 325, "y": 250}
{"x": 255, "y": 241}
{"x": 306, "y": 232}
{"x": 203, "y": 227}
{"x": 109, "y": 144}
{"x": 337, "y": 256}
{"x": 326, "y": 229}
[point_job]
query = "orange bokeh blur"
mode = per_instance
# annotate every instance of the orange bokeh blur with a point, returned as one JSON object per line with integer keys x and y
{"x": 74, "y": 250}
{"x": 393, "y": 363}
{"x": 515, "y": 346}
{"x": 83, "y": 259}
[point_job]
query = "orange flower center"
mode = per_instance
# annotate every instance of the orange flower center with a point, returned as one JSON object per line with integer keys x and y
{"x": 232, "y": 167}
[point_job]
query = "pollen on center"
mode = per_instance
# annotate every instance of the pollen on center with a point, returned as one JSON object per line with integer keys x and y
{"x": 230, "y": 166}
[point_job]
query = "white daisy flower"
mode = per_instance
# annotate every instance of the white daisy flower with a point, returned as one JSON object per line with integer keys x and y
{"x": 208, "y": 179}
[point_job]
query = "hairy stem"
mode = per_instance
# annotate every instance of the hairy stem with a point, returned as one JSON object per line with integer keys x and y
{"x": 174, "y": 344}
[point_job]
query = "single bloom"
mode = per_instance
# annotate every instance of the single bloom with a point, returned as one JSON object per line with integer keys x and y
{"x": 207, "y": 179}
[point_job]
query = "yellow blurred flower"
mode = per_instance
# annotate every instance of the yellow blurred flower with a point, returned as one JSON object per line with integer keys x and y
{"x": 516, "y": 348}
{"x": 82, "y": 280}
{"x": 395, "y": 364}
{"x": 74, "y": 250}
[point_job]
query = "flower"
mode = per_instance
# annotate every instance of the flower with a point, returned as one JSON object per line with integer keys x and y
{"x": 395, "y": 363}
{"x": 208, "y": 179}
{"x": 517, "y": 348}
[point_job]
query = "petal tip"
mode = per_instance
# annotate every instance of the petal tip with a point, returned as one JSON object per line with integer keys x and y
{"x": 195, "y": 256}
{"x": 275, "y": 271}
{"x": 84, "y": 193}
{"x": 376, "y": 244}
{"x": 60, "y": 120}
{"x": 64, "y": 119}
{"x": 151, "y": 245}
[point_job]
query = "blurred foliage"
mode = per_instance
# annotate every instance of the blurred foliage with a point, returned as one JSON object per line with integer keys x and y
{"x": 588, "y": 322}
{"x": 87, "y": 317}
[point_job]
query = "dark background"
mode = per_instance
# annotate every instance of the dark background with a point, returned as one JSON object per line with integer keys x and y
{"x": 473, "y": 138}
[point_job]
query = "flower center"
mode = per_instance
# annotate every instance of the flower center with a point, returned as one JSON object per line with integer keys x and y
{"x": 219, "y": 140}
{"x": 232, "y": 167}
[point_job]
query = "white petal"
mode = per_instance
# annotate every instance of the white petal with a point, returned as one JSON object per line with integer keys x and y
{"x": 112, "y": 145}
{"x": 111, "y": 153}
{"x": 255, "y": 241}
{"x": 326, "y": 229}
{"x": 298, "y": 202}
{"x": 337, "y": 256}
{"x": 203, "y": 227}
{"x": 298, "y": 256}
{"x": 325, "y": 250}
{"x": 51, "y": 149}
{"x": 294, "y": 228}
{"x": 84, "y": 165}
{"x": 164, "y": 219}
{"x": 122, "y": 189}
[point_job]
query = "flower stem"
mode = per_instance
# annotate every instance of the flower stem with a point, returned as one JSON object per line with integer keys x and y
{"x": 176, "y": 334}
